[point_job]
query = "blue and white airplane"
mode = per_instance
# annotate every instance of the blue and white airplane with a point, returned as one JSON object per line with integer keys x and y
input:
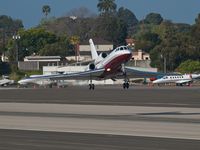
{"x": 178, "y": 79}
{"x": 103, "y": 66}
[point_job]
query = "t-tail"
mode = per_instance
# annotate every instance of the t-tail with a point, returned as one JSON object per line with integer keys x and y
{"x": 93, "y": 50}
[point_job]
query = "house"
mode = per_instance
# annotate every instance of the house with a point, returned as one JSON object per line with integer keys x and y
{"x": 130, "y": 42}
{"x": 37, "y": 62}
{"x": 100, "y": 45}
{"x": 140, "y": 55}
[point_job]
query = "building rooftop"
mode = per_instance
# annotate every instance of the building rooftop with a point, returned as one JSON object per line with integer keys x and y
{"x": 97, "y": 41}
{"x": 42, "y": 57}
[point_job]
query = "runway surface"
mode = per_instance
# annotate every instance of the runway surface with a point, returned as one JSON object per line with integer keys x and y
{"x": 165, "y": 122}
{"x": 35, "y": 140}
{"x": 107, "y": 95}
{"x": 140, "y": 118}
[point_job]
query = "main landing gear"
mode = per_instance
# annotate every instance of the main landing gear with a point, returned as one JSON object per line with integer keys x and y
{"x": 91, "y": 86}
{"x": 126, "y": 80}
{"x": 125, "y": 85}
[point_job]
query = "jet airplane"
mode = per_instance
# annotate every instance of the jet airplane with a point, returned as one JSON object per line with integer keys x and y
{"x": 178, "y": 79}
{"x": 6, "y": 81}
{"x": 103, "y": 66}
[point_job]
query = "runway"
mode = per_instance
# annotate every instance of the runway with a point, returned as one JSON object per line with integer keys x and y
{"x": 34, "y": 140}
{"x": 107, "y": 118}
{"x": 165, "y": 122}
{"x": 107, "y": 95}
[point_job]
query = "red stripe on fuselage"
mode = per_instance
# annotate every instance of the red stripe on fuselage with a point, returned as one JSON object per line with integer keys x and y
{"x": 115, "y": 64}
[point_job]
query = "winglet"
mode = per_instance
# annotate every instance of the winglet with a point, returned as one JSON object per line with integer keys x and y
{"x": 93, "y": 50}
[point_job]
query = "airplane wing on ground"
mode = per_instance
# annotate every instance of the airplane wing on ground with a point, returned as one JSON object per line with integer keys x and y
{"x": 141, "y": 73}
{"x": 196, "y": 76}
{"x": 183, "y": 81}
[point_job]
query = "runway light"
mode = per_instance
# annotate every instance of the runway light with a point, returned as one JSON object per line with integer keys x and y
{"x": 108, "y": 69}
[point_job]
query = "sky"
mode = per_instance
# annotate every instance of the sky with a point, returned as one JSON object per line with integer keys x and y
{"x": 30, "y": 11}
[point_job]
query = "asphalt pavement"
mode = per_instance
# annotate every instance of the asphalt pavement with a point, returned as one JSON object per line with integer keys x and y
{"x": 111, "y": 118}
{"x": 107, "y": 95}
{"x": 35, "y": 140}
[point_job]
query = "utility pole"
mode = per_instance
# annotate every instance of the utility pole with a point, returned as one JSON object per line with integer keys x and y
{"x": 165, "y": 62}
{"x": 3, "y": 45}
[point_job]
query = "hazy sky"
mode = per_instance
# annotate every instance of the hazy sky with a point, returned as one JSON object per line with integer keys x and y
{"x": 30, "y": 11}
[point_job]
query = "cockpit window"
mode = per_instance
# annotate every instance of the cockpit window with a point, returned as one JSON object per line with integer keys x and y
{"x": 117, "y": 49}
{"x": 121, "y": 48}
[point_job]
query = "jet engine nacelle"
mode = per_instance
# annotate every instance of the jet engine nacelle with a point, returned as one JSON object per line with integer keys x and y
{"x": 101, "y": 57}
{"x": 91, "y": 66}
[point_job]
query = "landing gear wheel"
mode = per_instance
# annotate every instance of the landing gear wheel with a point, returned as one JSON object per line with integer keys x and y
{"x": 126, "y": 85}
{"x": 91, "y": 86}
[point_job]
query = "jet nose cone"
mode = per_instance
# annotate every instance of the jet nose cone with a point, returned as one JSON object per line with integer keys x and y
{"x": 155, "y": 81}
{"x": 21, "y": 82}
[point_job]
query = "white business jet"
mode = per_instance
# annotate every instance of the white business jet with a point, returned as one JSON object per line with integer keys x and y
{"x": 103, "y": 66}
{"x": 6, "y": 81}
{"x": 178, "y": 79}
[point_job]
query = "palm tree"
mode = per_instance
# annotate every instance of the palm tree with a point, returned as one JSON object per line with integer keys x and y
{"x": 74, "y": 40}
{"x": 106, "y": 6}
{"x": 46, "y": 10}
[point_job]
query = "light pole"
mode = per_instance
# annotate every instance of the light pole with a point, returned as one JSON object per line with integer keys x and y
{"x": 16, "y": 37}
{"x": 164, "y": 63}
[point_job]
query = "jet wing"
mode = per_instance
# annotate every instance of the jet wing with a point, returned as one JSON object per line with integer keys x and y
{"x": 84, "y": 75}
{"x": 141, "y": 73}
{"x": 183, "y": 81}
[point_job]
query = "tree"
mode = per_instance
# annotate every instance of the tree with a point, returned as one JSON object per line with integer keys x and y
{"x": 8, "y": 27}
{"x": 129, "y": 18}
{"x": 153, "y": 18}
{"x": 46, "y": 9}
{"x": 197, "y": 20}
{"x": 147, "y": 41}
{"x": 112, "y": 28}
{"x": 176, "y": 46}
{"x": 56, "y": 49}
{"x": 106, "y": 6}
{"x": 189, "y": 66}
{"x": 9, "y": 24}
{"x": 32, "y": 41}
{"x": 74, "y": 40}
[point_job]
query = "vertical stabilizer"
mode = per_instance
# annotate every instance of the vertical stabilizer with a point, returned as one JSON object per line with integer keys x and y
{"x": 93, "y": 50}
